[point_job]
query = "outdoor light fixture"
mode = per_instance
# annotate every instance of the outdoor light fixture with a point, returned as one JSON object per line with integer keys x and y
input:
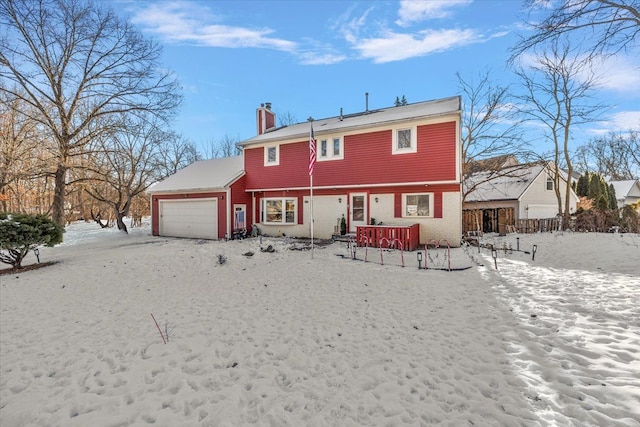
{"x": 376, "y": 200}
{"x": 339, "y": 199}
{"x": 419, "y": 255}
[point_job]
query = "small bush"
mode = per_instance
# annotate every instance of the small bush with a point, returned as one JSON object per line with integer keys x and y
{"x": 21, "y": 233}
{"x": 630, "y": 219}
{"x": 222, "y": 259}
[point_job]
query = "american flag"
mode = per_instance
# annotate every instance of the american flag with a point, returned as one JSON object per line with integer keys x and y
{"x": 312, "y": 152}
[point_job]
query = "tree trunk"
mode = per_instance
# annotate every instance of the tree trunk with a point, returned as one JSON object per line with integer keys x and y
{"x": 58, "y": 195}
{"x": 120, "y": 221}
{"x": 121, "y": 213}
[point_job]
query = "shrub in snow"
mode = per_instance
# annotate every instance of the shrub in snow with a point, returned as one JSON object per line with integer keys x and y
{"x": 222, "y": 259}
{"x": 630, "y": 219}
{"x": 21, "y": 233}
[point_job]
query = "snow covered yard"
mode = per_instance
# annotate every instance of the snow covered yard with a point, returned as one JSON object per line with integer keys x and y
{"x": 283, "y": 339}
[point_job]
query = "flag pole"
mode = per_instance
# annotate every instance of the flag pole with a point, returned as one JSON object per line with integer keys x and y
{"x": 312, "y": 162}
{"x": 311, "y": 186}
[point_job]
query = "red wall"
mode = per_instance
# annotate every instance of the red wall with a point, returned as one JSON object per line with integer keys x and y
{"x": 367, "y": 160}
{"x": 239, "y": 196}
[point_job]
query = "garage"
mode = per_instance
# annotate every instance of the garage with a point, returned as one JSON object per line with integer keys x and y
{"x": 189, "y": 218}
{"x": 541, "y": 211}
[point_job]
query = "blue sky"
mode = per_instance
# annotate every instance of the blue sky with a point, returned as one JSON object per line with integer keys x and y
{"x": 311, "y": 58}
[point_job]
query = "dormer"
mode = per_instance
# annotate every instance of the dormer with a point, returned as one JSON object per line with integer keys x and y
{"x": 265, "y": 118}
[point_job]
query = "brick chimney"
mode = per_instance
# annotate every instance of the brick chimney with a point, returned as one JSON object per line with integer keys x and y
{"x": 265, "y": 118}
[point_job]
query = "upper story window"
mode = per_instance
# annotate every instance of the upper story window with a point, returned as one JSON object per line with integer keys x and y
{"x": 279, "y": 211}
{"x": 549, "y": 183}
{"x": 417, "y": 205}
{"x": 404, "y": 141}
{"x": 271, "y": 155}
{"x": 331, "y": 148}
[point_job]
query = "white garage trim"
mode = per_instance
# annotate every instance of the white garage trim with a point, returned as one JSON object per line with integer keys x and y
{"x": 193, "y": 218}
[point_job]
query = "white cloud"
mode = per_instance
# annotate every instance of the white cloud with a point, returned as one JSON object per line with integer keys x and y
{"x": 189, "y": 23}
{"x": 396, "y": 46}
{"x": 621, "y": 121}
{"x": 415, "y": 11}
{"x": 625, "y": 120}
{"x": 621, "y": 74}
{"x": 320, "y": 58}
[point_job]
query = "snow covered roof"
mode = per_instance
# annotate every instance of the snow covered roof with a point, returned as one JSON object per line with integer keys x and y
{"x": 349, "y": 122}
{"x": 626, "y": 188}
{"x": 510, "y": 185}
{"x": 202, "y": 175}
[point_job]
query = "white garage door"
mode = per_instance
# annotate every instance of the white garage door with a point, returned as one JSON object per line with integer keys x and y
{"x": 189, "y": 218}
{"x": 542, "y": 211}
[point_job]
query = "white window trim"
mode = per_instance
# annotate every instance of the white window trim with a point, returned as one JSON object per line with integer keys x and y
{"x": 546, "y": 183}
{"x": 330, "y": 155}
{"x": 266, "y": 155}
{"x": 404, "y": 205}
{"x": 414, "y": 141}
{"x": 263, "y": 213}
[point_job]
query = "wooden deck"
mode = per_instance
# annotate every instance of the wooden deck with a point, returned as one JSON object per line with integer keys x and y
{"x": 375, "y": 236}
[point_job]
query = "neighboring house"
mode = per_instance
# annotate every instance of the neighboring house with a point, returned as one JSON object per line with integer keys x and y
{"x": 627, "y": 192}
{"x": 205, "y": 200}
{"x": 519, "y": 191}
{"x": 395, "y": 166}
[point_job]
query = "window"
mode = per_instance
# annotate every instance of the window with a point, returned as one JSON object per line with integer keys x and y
{"x": 404, "y": 141}
{"x": 279, "y": 211}
{"x": 271, "y": 155}
{"x": 417, "y": 205}
{"x": 549, "y": 183}
{"x": 331, "y": 149}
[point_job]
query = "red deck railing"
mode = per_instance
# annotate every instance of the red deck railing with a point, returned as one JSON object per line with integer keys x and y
{"x": 372, "y": 235}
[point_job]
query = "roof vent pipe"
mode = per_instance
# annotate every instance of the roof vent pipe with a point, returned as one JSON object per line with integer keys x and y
{"x": 340, "y": 113}
{"x": 366, "y": 96}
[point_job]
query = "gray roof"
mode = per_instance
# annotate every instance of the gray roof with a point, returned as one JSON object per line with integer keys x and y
{"x": 203, "y": 175}
{"x": 348, "y": 122}
{"x": 623, "y": 188}
{"x": 504, "y": 187}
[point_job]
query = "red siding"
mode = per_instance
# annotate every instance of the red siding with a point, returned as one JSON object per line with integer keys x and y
{"x": 367, "y": 160}
{"x": 240, "y": 197}
{"x": 270, "y": 119}
{"x": 437, "y": 205}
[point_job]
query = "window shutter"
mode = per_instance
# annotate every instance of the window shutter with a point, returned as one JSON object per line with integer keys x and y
{"x": 437, "y": 205}
{"x": 300, "y": 206}
{"x": 397, "y": 205}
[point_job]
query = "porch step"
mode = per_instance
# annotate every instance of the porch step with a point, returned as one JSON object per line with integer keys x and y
{"x": 343, "y": 237}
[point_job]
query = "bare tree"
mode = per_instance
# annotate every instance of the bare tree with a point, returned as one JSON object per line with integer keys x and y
{"x": 607, "y": 25}
{"x": 286, "y": 119}
{"x": 24, "y": 158}
{"x": 226, "y": 147}
{"x": 491, "y": 134}
{"x": 78, "y": 66}
{"x": 124, "y": 166}
{"x": 229, "y": 146}
{"x": 616, "y": 155}
{"x": 557, "y": 90}
{"x": 175, "y": 153}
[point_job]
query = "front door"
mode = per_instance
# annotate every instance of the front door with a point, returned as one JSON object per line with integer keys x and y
{"x": 357, "y": 210}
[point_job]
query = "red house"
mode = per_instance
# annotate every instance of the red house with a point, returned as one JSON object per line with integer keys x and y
{"x": 398, "y": 166}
